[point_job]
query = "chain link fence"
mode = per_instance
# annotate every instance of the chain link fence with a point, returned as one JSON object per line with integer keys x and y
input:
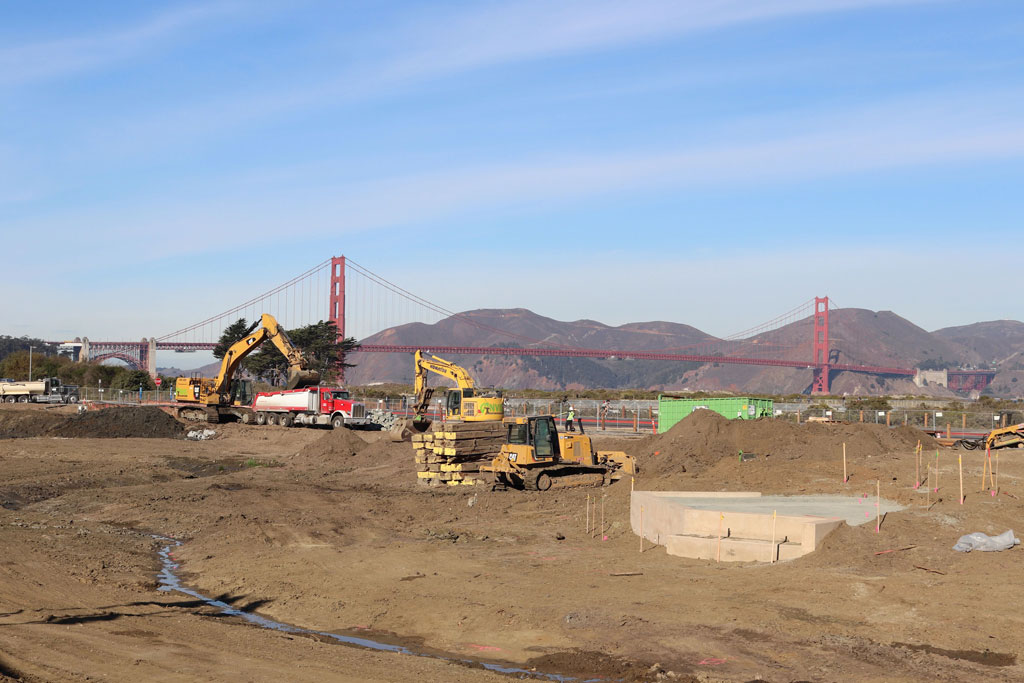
{"x": 641, "y": 416}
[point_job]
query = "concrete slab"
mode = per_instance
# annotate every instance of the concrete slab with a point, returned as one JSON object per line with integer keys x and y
{"x": 850, "y": 509}
{"x": 747, "y": 521}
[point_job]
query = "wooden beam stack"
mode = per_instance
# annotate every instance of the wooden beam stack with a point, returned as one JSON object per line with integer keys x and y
{"x": 452, "y": 453}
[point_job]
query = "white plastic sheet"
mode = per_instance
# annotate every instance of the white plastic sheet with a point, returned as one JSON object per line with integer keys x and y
{"x": 984, "y": 542}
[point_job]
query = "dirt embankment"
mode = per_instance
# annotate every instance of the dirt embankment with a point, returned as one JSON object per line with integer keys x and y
{"x": 328, "y": 530}
{"x": 705, "y": 438}
{"x": 110, "y": 423}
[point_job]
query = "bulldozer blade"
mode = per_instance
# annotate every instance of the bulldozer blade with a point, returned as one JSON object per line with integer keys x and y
{"x": 302, "y": 378}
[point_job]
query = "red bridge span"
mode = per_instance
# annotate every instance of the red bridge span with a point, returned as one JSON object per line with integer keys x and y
{"x": 328, "y": 288}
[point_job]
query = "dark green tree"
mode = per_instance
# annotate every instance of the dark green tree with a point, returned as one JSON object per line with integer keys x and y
{"x": 319, "y": 344}
{"x": 232, "y": 333}
{"x": 131, "y": 380}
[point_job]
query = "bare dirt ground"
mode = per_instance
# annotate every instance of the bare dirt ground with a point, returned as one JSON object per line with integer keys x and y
{"x": 329, "y": 531}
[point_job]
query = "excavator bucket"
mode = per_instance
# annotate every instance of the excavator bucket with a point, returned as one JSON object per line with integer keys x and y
{"x": 298, "y": 379}
{"x": 404, "y": 430}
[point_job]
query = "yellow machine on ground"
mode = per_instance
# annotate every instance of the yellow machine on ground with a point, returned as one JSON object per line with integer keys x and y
{"x": 214, "y": 398}
{"x": 535, "y": 456}
{"x": 465, "y": 403}
{"x": 1006, "y": 437}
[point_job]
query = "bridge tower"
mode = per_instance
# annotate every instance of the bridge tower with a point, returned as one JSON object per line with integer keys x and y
{"x": 336, "y": 312}
{"x": 822, "y": 365}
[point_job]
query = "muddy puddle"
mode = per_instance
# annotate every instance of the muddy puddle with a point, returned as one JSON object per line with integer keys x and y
{"x": 168, "y": 581}
{"x": 986, "y": 657}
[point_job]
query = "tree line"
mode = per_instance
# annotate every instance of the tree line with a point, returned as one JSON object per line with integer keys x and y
{"x": 318, "y": 342}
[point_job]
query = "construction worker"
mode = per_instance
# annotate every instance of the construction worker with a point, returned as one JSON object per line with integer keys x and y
{"x": 569, "y": 418}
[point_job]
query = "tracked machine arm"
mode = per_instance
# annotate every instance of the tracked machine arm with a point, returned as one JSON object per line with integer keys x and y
{"x": 443, "y": 367}
{"x": 463, "y": 404}
{"x": 269, "y": 329}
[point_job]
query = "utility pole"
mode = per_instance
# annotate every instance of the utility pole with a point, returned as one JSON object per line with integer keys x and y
{"x": 30, "y": 363}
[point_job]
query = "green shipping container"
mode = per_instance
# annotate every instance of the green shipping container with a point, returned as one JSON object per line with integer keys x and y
{"x": 672, "y": 410}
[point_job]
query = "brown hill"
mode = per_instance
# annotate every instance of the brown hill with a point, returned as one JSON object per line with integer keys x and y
{"x": 523, "y": 328}
{"x": 996, "y": 342}
{"x": 859, "y": 337}
{"x": 1000, "y": 345}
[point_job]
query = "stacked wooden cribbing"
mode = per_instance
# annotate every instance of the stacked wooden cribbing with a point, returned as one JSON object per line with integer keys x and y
{"x": 451, "y": 454}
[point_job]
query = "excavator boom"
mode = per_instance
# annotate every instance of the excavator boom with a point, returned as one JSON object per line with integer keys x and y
{"x": 463, "y": 402}
{"x": 298, "y": 375}
{"x": 216, "y": 393}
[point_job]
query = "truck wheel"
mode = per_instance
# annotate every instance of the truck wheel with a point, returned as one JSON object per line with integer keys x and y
{"x": 261, "y": 418}
{"x": 338, "y": 422}
{"x": 543, "y": 481}
{"x": 246, "y": 418}
{"x": 287, "y": 420}
{"x": 10, "y": 399}
{"x": 271, "y": 419}
{"x": 23, "y": 399}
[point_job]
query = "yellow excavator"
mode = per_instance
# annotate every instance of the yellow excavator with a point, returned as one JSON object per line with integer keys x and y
{"x": 223, "y": 397}
{"x": 535, "y": 456}
{"x": 465, "y": 403}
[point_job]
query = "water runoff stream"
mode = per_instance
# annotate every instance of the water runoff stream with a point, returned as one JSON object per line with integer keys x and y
{"x": 169, "y": 581}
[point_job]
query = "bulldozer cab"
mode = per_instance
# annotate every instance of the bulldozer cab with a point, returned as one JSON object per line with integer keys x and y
{"x": 533, "y": 439}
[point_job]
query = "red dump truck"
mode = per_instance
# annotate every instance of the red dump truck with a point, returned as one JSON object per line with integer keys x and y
{"x": 309, "y": 406}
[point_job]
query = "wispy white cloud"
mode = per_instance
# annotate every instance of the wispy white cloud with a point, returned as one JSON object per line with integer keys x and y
{"x": 49, "y": 59}
{"x": 430, "y": 45}
{"x": 533, "y": 29}
{"x": 914, "y": 132}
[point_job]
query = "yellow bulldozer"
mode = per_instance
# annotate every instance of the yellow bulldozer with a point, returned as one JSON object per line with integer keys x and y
{"x": 214, "y": 399}
{"x": 464, "y": 403}
{"x": 1011, "y": 436}
{"x": 535, "y": 456}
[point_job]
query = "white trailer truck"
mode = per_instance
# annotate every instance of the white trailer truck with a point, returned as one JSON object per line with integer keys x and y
{"x": 311, "y": 406}
{"x": 49, "y": 390}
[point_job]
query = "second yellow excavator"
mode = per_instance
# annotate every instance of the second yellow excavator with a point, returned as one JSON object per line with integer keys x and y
{"x": 465, "y": 403}
{"x": 222, "y": 397}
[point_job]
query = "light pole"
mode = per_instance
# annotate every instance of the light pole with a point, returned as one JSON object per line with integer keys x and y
{"x": 30, "y": 363}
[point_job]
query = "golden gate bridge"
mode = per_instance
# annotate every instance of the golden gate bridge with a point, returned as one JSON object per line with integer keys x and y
{"x": 361, "y": 303}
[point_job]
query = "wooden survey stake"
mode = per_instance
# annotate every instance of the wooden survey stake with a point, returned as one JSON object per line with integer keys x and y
{"x": 984, "y": 467}
{"x": 641, "y": 528}
{"x": 878, "y": 505}
{"x": 718, "y": 553}
{"x": 845, "y": 478}
{"x": 960, "y": 462}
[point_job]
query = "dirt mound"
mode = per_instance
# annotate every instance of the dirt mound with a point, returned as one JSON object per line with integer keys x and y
{"x": 118, "y": 423}
{"x": 334, "y": 444}
{"x": 704, "y": 438}
{"x": 109, "y": 423}
{"x": 18, "y": 424}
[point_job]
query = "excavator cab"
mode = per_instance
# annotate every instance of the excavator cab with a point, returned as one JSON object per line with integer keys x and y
{"x": 454, "y": 402}
{"x": 242, "y": 392}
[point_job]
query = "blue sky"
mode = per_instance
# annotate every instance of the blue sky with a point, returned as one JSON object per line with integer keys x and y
{"x": 711, "y": 163}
